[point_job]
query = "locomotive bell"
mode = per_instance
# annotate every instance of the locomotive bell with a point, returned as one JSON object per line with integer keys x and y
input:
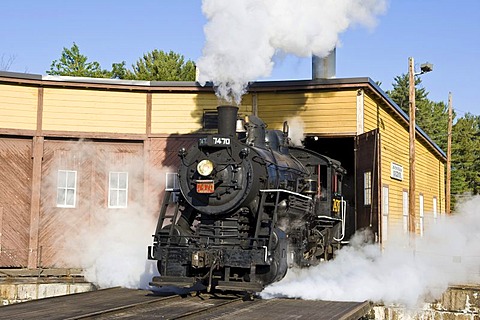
{"x": 240, "y": 126}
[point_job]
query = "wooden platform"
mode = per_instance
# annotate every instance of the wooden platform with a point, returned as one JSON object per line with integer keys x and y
{"x": 134, "y": 304}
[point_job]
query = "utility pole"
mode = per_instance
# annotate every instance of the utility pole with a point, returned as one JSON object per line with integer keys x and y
{"x": 411, "y": 186}
{"x": 449, "y": 155}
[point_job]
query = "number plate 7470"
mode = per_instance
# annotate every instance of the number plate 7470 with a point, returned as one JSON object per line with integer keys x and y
{"x": 205, "y": 186}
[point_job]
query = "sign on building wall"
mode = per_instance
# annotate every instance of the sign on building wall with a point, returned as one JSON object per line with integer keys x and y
{"x": 396, "y": 171}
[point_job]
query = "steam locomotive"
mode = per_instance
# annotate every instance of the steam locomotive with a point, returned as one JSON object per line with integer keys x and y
{"x": 248, "y": 206}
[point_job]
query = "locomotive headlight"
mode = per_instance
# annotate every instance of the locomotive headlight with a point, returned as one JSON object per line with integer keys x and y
{"x": 205, "y": 167}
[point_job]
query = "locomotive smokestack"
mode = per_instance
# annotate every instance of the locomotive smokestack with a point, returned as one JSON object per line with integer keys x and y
{"x": 227, "y": 120}
{"x": 324, "y": 68}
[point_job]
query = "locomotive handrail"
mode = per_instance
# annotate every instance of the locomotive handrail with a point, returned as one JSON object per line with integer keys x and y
{"x": 287, "y": 191}
{"x": 343, "y": 210}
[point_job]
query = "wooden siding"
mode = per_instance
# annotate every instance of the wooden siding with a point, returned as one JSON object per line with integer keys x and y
{"x": 18, "y": 107}
{"x": 181, "y": 113}
{"x": 94, "y": 111}
{"x": 15, "y": 173}
{"x": 395, "y": 148}
{"x": 164, "y": 159}
{"x": 330, "y": 113}
{"x": 370, "y": 113}
{"x": 63, "y": 230}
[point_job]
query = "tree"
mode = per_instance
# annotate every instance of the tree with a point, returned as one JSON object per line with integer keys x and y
{"x": 73, "y": 63}
{"x": 161, "y": 66}
{"x": 431, "y": 117}
{"x": 155, "y": 65}
{"x": 400, "y": 92}
{"x": 119, "y": 71}
{"x": 466, "y": 155}
{"x": 6, "y": 62}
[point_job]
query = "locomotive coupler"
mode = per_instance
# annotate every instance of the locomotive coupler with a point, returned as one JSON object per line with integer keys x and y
{"x": 205, "y": 259}
{"x": 201, "y": 259}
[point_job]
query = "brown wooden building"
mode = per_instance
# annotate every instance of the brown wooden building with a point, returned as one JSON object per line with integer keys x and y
{"x": 74, "y": 149}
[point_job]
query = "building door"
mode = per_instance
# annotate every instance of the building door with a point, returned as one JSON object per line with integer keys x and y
{"x": 86, "y": 186}
{"x": 367, "y": 181}
{"x": 15, "y": 198}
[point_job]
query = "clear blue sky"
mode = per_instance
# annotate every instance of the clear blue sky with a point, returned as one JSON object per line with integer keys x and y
{"x": 443, "y": 32}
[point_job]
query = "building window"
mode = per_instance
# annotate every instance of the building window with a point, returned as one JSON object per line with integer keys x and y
{"x": 385, "y": 209}
{"x": 172, "y": 183}
{"x": 405, "y": 211}
{"x": 210, "y": 119}
{"x": 435, "y": 214}
{"x": 118, "y": 189}
{"x": 422, "y": 214}
{"x": 66, "y": 188}
{"x": 367, "y": 191}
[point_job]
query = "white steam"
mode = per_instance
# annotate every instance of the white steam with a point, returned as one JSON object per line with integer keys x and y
{"x": 408, "y": 271}
{"x": 296, "y": 130}
{"x": 243, "y": 36}
{"x": 110, "y": 245}
{"x": 115, "y": 250}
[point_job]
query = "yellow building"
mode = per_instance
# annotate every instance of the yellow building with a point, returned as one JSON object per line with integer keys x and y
{"x": 74, "y": 148}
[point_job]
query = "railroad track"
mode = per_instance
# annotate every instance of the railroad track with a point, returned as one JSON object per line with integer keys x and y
{"x": 115, "y": 303}
{"x": 175, "y": 307}
{"x": 120, "y": 303}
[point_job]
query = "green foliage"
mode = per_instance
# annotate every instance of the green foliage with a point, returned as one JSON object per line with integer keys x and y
{"x": 466, "y": 155}
{"x": 162, "y": 66}
{"x": 432, "y": 117}
{"x": 119, "y": 71}
{"x": 156, "y": 65}
{"x": 73, "y": 63}
{"x": 400, "y": 92}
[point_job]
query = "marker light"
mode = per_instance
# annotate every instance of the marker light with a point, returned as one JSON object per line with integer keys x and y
{"x": 205, "y": 167}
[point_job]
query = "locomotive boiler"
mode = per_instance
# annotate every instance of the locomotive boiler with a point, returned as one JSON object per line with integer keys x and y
{"x": 248, "y": 206}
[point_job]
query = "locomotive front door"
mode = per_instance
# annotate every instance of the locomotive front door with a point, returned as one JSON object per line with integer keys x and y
{"x": 367, "y": 180}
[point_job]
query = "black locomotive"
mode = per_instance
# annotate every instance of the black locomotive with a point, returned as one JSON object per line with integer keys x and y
{"x": 248, "y": 207}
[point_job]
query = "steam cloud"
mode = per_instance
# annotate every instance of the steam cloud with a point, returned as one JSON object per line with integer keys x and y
{"x": 243, "y": 36}
{"x": 407, "y": 272}
{"x": 110, "y": 245}
{"x": 296, "y": 131}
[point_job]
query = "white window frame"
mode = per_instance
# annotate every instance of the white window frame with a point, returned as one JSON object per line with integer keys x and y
{"x": 405, "y": 210}
{"x": 422, "y": 213}
{"x": 63, "y": 188}
{"x": 171, "y": 181}
{"x": 367, "y": 188}
{"x": 172, "y": 184}
{"x": 385, "y": 211}
{"x": 435, "y": 212}
{"x": 115, "y": 190}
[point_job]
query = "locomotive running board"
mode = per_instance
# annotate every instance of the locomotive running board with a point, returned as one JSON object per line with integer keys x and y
{"x": 239, "y": 286}
{"x": 179, "y": 282}
{"x": 189, "y": 283}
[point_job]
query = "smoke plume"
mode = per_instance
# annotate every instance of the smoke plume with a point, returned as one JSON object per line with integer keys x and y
{"x": 243, "y": 36}
{"x": 408, "y": 271}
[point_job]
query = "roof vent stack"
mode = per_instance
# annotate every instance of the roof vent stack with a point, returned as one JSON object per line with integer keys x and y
{"x": 324, "y": 68}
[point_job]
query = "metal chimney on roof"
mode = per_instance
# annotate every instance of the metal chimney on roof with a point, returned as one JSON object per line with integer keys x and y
{"x": 324, "y": 68}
